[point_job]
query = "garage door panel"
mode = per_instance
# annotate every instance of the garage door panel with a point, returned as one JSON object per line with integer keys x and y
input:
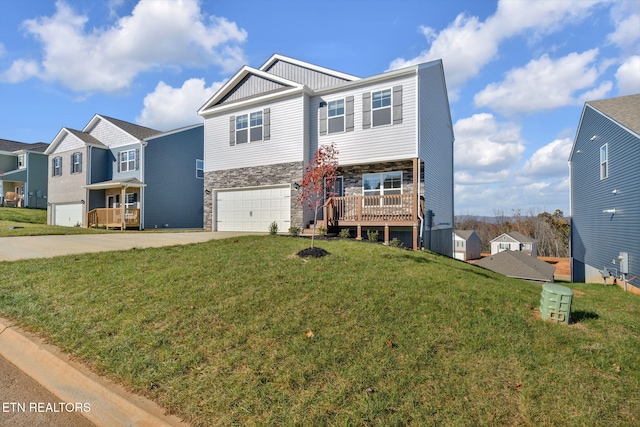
{"x": 67, "y": 215}
{"x": 253, "y": 209}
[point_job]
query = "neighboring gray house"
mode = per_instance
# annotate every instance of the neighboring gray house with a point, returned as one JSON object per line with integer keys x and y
{"x": 466, "y": 245}
{"x": 605, "y": 189}
{"x": 514, "y": 241}
{"x": 118, "y": 174}
{"x": 23, "y": 171}
{"x": 394, "y": 136}
{"x": 519, "y": 265}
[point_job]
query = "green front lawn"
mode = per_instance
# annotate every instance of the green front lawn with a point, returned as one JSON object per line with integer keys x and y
{"x": 33, "y": 222}
{"x": 242, "y": 332}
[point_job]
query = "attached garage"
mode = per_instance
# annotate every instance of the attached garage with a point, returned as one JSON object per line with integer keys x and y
{"x": 253, "y": 209}
{"x": 67, "y": 215}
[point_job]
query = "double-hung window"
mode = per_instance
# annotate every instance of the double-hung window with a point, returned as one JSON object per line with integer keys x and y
{"x": 381, "y": 107}
{"x": 604, "y": 161}
{"x": 76, "y": 163}
{"x": 381, "y": 184}
{"x": 199, "y": 168}
{"x": 21, "y": 161}
{"x": 127, "y": 160}
{"x": 249, "y": 127}
{"x": 131, "y": 200}
{"x": 335, "y": 113}
{"x": 56, "y": 166}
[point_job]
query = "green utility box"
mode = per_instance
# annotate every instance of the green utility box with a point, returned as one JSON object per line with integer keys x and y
{"x": 555, "y": 304}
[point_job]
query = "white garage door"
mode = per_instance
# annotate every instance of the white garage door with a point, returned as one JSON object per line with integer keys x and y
{"x": 254, "y": 209}
{"x": 67, "y": 215}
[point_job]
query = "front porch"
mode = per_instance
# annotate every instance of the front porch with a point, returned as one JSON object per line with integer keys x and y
{"x": 393, "y": 210}
{"x": 122, "y": 218}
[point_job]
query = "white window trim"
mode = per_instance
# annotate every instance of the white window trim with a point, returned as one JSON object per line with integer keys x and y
{"x": 57, "y": 166}
{"x": 343, "y": 115}
{"x": 249, "y": 127}
{"x": 604, "y": 165}
{"x": 390, "y": 107}
{"x": 22, "y": 161}
{"x": 124, "y": 163}
{"x": 381, "y": 174}
{"x": 76, "y": 165}
{"x": 200, "y": 168}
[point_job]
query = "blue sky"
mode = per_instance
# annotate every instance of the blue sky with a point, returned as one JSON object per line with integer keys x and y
{"x": 518, "y": 72}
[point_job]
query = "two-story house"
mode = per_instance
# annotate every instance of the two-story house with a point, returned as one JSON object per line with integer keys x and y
{"x": 118, "y": 174}
{"x": 23, "y": 174}
{"x": 604, "y": 168}
{"x": 393, "y": 133}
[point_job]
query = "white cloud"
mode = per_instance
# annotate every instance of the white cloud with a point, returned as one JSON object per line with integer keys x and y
{"x": 482, "y": 144}
{"x": 550, "y": 160}
{"x": 468, "y": 44}
{"x": 20, "y": 71}
{"x": 544, "y": 84}
{"x": 168, "y": 108}
{"x": 628, "y": 76}
{"x": 626, "y": 17}
{"x": 109, "y": 59}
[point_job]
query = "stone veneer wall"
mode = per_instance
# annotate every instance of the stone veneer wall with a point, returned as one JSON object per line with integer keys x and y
{"x": 352, "y": 176}
{"x": 278, "y": 174}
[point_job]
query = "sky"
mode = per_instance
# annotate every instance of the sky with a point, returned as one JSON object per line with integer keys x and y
{"x": 518, "y": 72}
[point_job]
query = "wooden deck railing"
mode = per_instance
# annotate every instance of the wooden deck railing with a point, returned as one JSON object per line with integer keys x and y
{"x": 363, "y": 209}
{"x": 112, "y": 217}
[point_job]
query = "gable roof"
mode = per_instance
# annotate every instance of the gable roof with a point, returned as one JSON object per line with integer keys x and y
{"x": 624, "y": 109}
{"x": 465, "y": 234}
{"x": 137, "y": 131}
{"x": 518, "y": 265}
{"x": 86, "y": 138}
{"x": 516, "y": 236}
{"x": 275, "y": 58}
{"x": 11, "y": 146}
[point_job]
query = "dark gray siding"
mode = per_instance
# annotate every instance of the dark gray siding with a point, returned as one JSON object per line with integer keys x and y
{"x": 101, "y": 161}
{"x": 173, "y": 195}
{"x": 251, "y": 85}
{"x": 311, "y": 78}
{"x": 97, "y": 199}
{"x": 37, "y": 180}
{"x": 597, "y": 238}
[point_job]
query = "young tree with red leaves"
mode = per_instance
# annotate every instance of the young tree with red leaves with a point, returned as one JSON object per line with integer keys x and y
{"x": 319, "y": 175}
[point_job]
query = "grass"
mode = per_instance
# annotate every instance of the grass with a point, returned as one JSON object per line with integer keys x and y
{"x": 33, "y": 222}
{"x": 241, "y": 332}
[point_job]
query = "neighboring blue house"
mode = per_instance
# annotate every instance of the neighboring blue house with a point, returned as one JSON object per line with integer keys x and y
{"x": 23, "y": 174}
{"x": 118, "y": 174}
{"x": 605, "y": 190}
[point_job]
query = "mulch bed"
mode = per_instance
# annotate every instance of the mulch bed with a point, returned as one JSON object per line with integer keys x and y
{"x": 313, "y": 253}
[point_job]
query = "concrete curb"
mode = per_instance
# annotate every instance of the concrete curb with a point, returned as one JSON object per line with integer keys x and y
{"x": 110, "y": 404}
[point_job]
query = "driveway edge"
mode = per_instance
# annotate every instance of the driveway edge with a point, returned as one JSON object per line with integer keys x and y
{"x": 110, "y": 404}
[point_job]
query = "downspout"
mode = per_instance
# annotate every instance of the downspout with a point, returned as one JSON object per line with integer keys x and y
{"x": 420, "y": 213}
{"x": 143, "y": 155}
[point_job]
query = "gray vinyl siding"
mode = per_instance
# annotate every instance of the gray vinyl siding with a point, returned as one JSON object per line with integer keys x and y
{"x": 101, "y": 165}
{"x": 435, "y": 147}
{"x": 173, "y": 195}
{"x": 285, "y": 145}
{"x": 597, "y": 238}
{"x": 376, "y": 144}
{"x": 110, "y": 135}
{"x": 251, "y": 85}
{"x": 311, "y": 78}
{"x": 119, "y": 174}
{"x": 97, "y": 200}
{"x": 36, "y": 180}
{"x": 8, "y": 162}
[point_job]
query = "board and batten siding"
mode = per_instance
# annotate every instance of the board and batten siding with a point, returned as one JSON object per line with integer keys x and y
{"x": 597, "y": 237}
{"x": 285, "y": 145}
{"x": 435, "y": 146}
{"x": 110, "y": 135}
{"x": 251, "y": 85}
{"x": 375, "y": 144}
{"x": 311, "y": 78}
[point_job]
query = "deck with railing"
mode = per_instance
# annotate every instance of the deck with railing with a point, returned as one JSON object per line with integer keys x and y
{"x": 112, "y": 218}
{"x": 390, "y": 209}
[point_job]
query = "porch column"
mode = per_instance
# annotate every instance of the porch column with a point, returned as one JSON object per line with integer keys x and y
{"x": 123, "y": 226}
{"x": 415, "y": 237}
{"x": 416, "y": 189}
{"x": 386, "y": 233}
{"x": 358, "y": 232}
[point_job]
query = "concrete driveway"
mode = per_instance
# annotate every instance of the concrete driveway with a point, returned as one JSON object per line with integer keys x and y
{"x": 27, "y": 247}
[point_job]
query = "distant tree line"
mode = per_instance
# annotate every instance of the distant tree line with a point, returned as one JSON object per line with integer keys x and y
{"x": 550, "y": 231}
